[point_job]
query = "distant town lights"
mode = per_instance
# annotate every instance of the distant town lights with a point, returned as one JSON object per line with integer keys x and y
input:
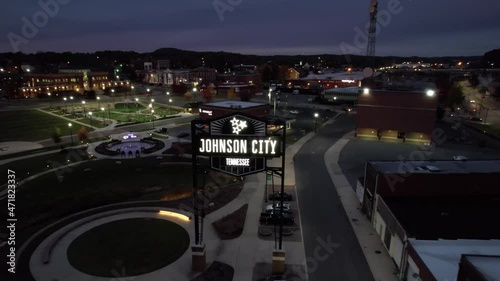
{"x": 430, "y": 93}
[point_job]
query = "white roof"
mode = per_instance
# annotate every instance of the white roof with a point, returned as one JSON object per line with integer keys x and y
{"x": 442, "y": 257}
{"x": 488, "y": 266}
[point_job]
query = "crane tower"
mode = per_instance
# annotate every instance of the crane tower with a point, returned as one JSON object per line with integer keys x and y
{"x": 372, "y": 30}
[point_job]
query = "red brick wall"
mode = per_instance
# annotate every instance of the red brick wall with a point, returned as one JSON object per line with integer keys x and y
{"x": 397, "y": 111}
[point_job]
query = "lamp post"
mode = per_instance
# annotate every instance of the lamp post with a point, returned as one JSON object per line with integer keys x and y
{"x": 90, "y": 114}
{"x": 50, "y": 100}
{"x": 113, "y": 95}
{"x": 152, "y": 115}
{"x": 136, "y": 102}
{"x": 83, "y": 105}
{"x": 103, "y": 115}
{"x": 70, "y": 132}
{"x": 98, "y": 101}
{"x": 72, "y": 104}
{"x": 316, "y": 115}
{"x": 170, "y": 105}
{"x": 194, "y": 93}
{"x": 66, "y": 104}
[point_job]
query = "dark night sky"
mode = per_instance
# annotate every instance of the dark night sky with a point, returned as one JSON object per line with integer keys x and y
{"x": 422, "y": 27}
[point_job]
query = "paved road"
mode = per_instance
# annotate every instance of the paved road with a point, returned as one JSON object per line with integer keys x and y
{"x": 322, "y": 213}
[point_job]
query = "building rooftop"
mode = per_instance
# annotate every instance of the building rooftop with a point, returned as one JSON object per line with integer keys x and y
{"x": 488, "y": 266}
{"x": 235, "y": 104}
{"x": 442, "y": 257}
{"x": 438, "y": 167}
{"x": 446, "y": 217}
{"x": 351, "y": 90}
{"x": 335, "y": 76}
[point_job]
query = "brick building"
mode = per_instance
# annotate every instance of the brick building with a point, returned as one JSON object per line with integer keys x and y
{"x": 429, "y": 214}
{"x": 396, "y": 113}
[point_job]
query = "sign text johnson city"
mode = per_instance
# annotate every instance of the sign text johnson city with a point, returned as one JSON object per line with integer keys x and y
{"x": 238, "y": 146}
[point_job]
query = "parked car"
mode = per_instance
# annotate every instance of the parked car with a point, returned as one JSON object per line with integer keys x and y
{"x": 161, "y": 130}
{"x": 279, "y": 195}
{"x": 183, "y": 135}
{"x": 277, "y": 207}
{"x": 274, "y": 218}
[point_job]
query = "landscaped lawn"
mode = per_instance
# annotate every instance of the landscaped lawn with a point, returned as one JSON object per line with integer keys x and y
{"x": 96, "y": 183}
{"x": 30, "y": 125}
{"x": 129, "y": 247}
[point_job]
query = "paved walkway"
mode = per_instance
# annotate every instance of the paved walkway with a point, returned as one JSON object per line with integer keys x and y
{"x": 381, "y": 265}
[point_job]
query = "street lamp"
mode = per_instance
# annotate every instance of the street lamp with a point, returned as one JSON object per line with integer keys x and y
{"x": 83, "y": 105}
{"x": 136, "y": 102}
{"x": 90, "y": 114}
{"x": 316, "y": 115}
{"x": 66, "y": 104}
{"x": 152, "y": 115}
{"x": 113, "y": 95}
{"x": 98, "y": 101}
{"x": 70, "y": 132}
{"x": 168, "y": 93}
{"x": 50, "y": 100}
{"x": 103, "y": 115}
{"x": 170, "y": 105}
{"x": 72, "y": 104}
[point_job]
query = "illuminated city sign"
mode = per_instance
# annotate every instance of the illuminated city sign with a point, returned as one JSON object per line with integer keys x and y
{"x": 258, "y": 146}
{"x": 238, "y": 145}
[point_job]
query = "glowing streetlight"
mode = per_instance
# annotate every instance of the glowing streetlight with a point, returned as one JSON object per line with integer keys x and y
{"x": 98, "y": 101}
{"x": 66, "y": 104}
{"x": 152, "y": 115}
{"x": 430, "y": 93}
{"x": 72, "y": 104}
{"x": 70, "y": 132}
{"x": 50, "y": 100}
{"x": 83, "y": 105}
{"x": 168, "y": 93}
{"x": 170, "y": 105}
{"x": 316, "y": 115}
{"x": 136, "y": 102}
{"x": 90, "y": 114}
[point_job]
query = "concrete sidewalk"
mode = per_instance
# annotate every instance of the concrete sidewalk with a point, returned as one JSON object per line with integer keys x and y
{"x": 381, "y": 265}
{"x": 247, "y": 250}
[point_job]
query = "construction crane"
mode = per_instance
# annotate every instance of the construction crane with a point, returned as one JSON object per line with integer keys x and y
{"x": 372, "y": 30}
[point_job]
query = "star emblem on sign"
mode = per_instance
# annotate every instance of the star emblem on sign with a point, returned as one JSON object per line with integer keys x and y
{"x": 238, "y": 125}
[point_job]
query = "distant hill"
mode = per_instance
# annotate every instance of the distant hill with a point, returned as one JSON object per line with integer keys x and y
{"x": 222, "y": 61}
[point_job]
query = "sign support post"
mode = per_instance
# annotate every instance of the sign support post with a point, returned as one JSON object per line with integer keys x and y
{"x": 237, "y": 145}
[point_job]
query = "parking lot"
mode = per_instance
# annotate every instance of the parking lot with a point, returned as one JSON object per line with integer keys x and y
{"x": 459, "y": 141}
{"x": 293, "y": 212}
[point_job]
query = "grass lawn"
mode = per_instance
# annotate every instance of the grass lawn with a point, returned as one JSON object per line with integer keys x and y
{"x": 30, "y": 125}
{"x": 95, "y": 123}
{"x": 37, "y": 164}
{"x": 129, "y": 246}
{"x": 96, "y": 183}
